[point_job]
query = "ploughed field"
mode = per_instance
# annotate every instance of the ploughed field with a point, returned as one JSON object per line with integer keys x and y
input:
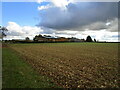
{"x": 76, "y": 65}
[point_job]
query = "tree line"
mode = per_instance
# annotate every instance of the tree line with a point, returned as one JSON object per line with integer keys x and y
{"x": 4, "y": 29}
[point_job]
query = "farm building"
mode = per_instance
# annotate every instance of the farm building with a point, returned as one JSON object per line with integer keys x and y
{"x": 39, "y": 38}
{"x": 47, "y": 38}
{"x": 73, "y": 39}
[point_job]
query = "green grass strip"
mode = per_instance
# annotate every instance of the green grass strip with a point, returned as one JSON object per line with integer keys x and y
{"x": 18, "y": 74}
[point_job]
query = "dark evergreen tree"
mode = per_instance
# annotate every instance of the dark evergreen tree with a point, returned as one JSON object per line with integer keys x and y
{"x": 27, "y": 38}
{"x": 89, "y": 39}
{"x": 94, "y": 40}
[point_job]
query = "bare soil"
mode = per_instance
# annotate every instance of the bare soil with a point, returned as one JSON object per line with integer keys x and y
{"x": 75, "y": 65}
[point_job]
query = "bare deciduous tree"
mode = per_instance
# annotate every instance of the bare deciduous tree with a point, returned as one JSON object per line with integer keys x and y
{"x": 2, "y": 30}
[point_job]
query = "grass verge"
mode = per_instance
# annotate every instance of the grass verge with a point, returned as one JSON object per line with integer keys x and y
{"x": 18, "y": 74}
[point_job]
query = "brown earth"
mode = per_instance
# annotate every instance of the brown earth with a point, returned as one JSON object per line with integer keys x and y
{"x": 76, "y": 65}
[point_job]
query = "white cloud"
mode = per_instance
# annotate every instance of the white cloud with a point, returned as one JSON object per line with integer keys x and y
{"x": 13, "y": 27}
{"x": 16, "y": 31}
{"x": 108, "y": 23}
{"x": 44, "y": 7}
{"x": 101, "y": 35}
{"x": 60, "y": 3}
{"x": 40, "y": 1}
{"x": 55, "y": 3}
{"x": 67, "y": 32}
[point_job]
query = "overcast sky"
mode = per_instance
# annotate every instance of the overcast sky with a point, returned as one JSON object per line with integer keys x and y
{"x": 61, "y": 18}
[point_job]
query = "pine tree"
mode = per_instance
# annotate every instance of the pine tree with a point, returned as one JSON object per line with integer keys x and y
{"x": 89, "y": 39}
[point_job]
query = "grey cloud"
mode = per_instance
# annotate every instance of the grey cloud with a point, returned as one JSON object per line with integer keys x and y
{"x": 79, "y": 15}
{"x": 95, "y": 26}
{"x": 47, "y": 30}
{"x": 113, "y": 27}
{"x": 13, "y": 33}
